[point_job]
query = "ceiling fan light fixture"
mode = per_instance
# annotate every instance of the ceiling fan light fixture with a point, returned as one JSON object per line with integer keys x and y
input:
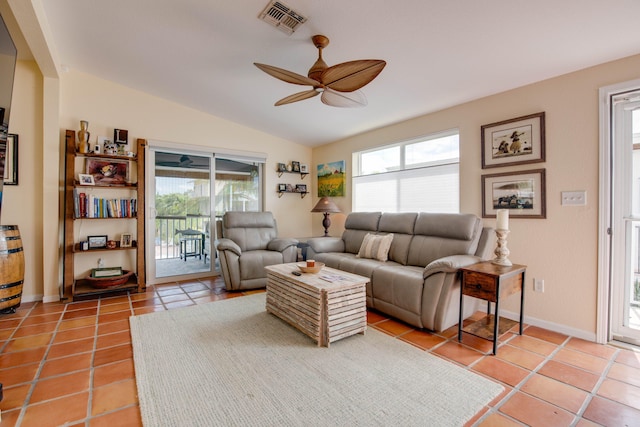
{"x": 345, "y": 77}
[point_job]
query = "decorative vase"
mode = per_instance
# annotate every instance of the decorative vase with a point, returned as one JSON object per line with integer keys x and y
{"x": 83, "y": 137}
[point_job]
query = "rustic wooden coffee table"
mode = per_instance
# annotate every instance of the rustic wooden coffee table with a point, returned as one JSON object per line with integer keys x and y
{"x": 326, "y": 306}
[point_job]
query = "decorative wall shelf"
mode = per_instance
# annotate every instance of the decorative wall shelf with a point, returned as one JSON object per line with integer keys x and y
{"x": 301, "y": 193}
{"x": 302, "y": 174}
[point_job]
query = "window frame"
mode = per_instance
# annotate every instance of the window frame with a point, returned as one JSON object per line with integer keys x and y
{"x": 357, "y": 163}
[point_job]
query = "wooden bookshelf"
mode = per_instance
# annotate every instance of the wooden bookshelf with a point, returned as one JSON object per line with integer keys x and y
{"x": 75, "y": 287}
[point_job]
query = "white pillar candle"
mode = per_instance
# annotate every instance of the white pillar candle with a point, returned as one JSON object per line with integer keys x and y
{"x": 502, "y": 222}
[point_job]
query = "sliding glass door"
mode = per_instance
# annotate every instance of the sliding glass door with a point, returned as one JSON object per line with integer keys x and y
{"x": 179, "y": 216}
{"x": 185, "y": 207}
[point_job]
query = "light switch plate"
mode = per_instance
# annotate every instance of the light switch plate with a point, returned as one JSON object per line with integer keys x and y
{"x": 574, "y": 198}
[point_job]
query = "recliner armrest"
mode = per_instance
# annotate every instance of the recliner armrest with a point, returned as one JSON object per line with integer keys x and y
{"x": 326, "y": 244}
{"x": 280, "y": 245}
{"x": 228, "y": 245}
{"x": 449, "y": 264}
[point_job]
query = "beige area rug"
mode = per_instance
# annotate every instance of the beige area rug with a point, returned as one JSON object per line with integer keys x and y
{"x": 230, "y": 363}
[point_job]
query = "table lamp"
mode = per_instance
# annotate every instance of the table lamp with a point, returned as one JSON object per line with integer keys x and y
{"x": 326, "y": 206}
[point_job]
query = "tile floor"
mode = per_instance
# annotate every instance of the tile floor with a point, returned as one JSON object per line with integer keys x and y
{"x": 71, "y": 364}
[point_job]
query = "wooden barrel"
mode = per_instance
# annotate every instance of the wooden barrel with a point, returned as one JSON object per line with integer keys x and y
{"x": 11, "y": 268}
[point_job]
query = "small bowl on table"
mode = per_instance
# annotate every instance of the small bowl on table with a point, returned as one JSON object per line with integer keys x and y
{"x": 315, "y": 269}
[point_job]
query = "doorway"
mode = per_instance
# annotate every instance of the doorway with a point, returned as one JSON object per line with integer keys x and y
{"x": 625, "y": 274}
{"x": 620, "y": 216}
{"x": 187, "y": 193}
{"x": 181, "y": 215}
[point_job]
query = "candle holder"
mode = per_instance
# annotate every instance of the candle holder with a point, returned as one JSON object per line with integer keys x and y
{"x": 502, "y": 252}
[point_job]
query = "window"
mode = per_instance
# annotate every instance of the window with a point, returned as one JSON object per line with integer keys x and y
{"x": 420, "y": 175}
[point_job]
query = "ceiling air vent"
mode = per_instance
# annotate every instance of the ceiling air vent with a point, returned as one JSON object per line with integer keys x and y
{"x": 282, "y": 17}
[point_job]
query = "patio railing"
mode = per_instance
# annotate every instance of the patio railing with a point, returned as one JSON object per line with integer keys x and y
{"x": 167, "y": 226}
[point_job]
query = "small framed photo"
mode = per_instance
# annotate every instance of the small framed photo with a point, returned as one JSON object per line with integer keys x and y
{"x": 97, "y": 242}
{"x": 295, "y": 166}
{"x": 282, "y": 188}
{"x": 521, "y": 192}
{"x": 121, "y": 136}
{"x": 301, "y": 188}
{"x": 304, "y": 168}
{"x": 86, "y": 179}
{"x": 282, "y": 167}
{"x": 513, "y": 142}
{"x": 125, "y": 240}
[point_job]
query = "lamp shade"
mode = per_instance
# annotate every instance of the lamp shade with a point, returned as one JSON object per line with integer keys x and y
{"x": 325, "y": 205}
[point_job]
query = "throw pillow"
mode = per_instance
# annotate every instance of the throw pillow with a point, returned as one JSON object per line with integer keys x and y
{"x": 375, "y": 246}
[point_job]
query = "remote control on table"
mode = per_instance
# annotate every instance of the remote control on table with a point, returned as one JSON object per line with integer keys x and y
{"x": 296, "y": 273}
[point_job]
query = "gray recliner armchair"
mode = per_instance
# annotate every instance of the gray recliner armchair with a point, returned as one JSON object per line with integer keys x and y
{"x": 249, "y": 242}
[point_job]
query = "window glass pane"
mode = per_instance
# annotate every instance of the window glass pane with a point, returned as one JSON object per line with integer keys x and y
{"x": 237, "y": 186}
{"x": 430, "y": 190}
{"x": 433, "y": 150}
{"x": 416, "y": 176}
{"x": 369, "y": 188}
{"x": 380, "y": 161}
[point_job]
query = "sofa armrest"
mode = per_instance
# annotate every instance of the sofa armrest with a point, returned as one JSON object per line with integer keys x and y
{"x": 280, "y": 245}
{"x": 449, "y": 264}
{"x": 326, "y": 244}
{"x": 228, "y": 245}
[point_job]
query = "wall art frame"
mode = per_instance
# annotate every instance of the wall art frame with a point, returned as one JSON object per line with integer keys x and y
{"x": 332, "y": 179}
{"x": 523, "y": 193}
{"x": 514, "y": 142}
{"x": 108, "y": 172}
{"x": 11, "y": 160}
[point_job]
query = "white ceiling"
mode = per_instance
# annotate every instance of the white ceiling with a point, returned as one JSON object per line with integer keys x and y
{"x": 200, "y": 53}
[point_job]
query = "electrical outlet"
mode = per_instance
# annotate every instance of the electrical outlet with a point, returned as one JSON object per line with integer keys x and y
{"x": 538, "y": 285}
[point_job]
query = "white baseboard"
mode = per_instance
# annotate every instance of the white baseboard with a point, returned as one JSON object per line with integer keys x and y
{"x": 30, "y": 298}
{"x": 51, "y": 298}
{"x": 555, "y": 327}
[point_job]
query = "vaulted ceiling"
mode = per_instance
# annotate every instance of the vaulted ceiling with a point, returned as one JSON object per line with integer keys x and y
{"x": 200, "y": 53}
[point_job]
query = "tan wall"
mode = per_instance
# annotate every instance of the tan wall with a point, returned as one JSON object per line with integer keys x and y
{"x": 107, "y": 105}
{"x": 22, "y": 204}
{"x": 561, "y": 249}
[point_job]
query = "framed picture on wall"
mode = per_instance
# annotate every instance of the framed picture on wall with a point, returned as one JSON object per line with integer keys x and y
{"x": 332, "y": 179}
{"x": 521, "y": 192}
{"x": 513, "y": 142}
{"x": 11, "y": 160}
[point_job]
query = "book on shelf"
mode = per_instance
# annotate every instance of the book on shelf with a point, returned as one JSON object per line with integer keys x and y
{"x": 90, "y": 206}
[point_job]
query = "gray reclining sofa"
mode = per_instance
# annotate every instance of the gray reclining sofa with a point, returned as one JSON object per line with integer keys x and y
{"x": 419, "y": 283}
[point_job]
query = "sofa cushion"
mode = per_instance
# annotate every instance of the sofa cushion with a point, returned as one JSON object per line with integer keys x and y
{"x": 397, "y": 290}
{"x": 401, "y": 225}
{"x": 375, "y": 246}
{"x": 441, "y": 235}
{"x": 357, "y": 225}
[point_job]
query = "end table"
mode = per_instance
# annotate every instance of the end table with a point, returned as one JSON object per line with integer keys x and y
{"x": 491, "y": 282}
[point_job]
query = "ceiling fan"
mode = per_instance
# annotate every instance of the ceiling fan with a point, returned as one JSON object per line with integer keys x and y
{"x": 338, "y": 84}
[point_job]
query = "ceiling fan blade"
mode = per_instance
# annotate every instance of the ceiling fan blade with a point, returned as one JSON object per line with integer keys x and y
{"x": 351, "y": 99}
{"x": 286, "y": 76}
{"x": 300, "y": 96}
{"x": 352, "y": 75}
